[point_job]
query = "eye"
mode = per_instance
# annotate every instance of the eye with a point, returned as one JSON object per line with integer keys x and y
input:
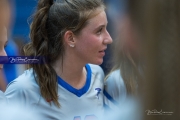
{"x": 99, "y": 31}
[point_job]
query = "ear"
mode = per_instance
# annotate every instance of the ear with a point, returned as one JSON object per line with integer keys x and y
{"x": 69, "y": 39}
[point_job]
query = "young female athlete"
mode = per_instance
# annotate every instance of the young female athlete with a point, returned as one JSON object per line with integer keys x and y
{"x": 69, "y": 34}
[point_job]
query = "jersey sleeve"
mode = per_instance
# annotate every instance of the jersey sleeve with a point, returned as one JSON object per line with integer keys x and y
{"x": 98, "y": 71}
{"x": 15, "y": 92}
{"x": 19, "y": 103}
{"x": 22, "y": 90}
{"x": 2, "y": 98}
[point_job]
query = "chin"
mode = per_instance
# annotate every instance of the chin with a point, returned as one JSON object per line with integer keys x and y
{"x": 98, "y": 62}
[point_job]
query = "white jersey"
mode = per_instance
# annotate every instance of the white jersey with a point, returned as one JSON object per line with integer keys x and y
{"x": 115, "y": 90}
{"x": 120, "y": 106}
{"x": 15, "y": 111}
{"x": 2, "y": 98}
{"x": 81, "y": 104}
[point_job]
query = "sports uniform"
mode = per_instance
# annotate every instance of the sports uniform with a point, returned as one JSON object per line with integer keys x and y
{"x": 81, "y": 104}
{"x": 115, "y": 90}
{"x": 2, "y": 98}
{"x": 15, "y": 111}
{"x": 119, "y": 105}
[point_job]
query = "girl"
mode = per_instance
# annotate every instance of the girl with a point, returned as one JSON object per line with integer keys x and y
{"x": 69, "y": 34}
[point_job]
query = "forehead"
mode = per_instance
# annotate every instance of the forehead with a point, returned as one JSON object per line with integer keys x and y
{"x": 95, "y": 21}
{"x": 99, "y": 19}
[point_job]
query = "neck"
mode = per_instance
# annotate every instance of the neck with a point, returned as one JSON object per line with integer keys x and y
{"x": 72, "y": 72}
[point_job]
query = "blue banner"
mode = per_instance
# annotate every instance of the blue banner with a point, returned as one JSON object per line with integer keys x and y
{"x": 22, "y": 60}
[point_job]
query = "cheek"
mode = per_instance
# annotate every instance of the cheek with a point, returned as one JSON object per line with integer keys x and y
{"x": 88, "y": 42}
{"x": 84, "y": 47}
{"x": 87, "y": 47}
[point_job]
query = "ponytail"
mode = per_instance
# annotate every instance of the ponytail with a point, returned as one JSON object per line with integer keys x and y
{"x": 45, "y": 75}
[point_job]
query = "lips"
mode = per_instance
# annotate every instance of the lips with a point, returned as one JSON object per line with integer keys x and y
{"x": 102, "y": 52}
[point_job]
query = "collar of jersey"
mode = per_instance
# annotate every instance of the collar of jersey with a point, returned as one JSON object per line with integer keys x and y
{"x": 77, "y": 92}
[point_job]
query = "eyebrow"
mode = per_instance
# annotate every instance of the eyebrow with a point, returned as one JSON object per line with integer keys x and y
{"x": 101, "y": 26}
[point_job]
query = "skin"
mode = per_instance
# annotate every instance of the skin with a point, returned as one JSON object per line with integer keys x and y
{"x": 90, "y": 45}
{"x": 93, "y": 40}
{"x": 4, "y": 23}
{"x": 5, "y": 13}
{"x": 3, "y": 43}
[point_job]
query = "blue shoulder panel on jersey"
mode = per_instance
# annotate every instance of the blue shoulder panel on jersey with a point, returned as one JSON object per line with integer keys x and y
{"x": 77, "y": 92}
{"x": 109, "y": 97}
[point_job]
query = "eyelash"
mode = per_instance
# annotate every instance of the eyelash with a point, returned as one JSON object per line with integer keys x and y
{"x": 99, "y": 31}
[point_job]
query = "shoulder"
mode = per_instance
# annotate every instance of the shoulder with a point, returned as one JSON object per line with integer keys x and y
{"x": 23, "y": 86}
{"x": 114, "y": 77}
{"x": 96, "y": 75}
{"x": 96, "y": 69}
{"x": 115, "y": 86}
{"x": 2, "y": 98}
{"x": 1, "y": 95}
{"x": 24, "y": 81}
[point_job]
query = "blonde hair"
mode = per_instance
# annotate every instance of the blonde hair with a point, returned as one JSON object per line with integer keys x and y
{"x": 128, "y": 65}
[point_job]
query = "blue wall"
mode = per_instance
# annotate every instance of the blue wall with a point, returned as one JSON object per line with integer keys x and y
{"x": 22, "y": 11}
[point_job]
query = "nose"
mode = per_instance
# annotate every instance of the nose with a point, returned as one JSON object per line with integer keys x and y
{"x": 108, "y": 39}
